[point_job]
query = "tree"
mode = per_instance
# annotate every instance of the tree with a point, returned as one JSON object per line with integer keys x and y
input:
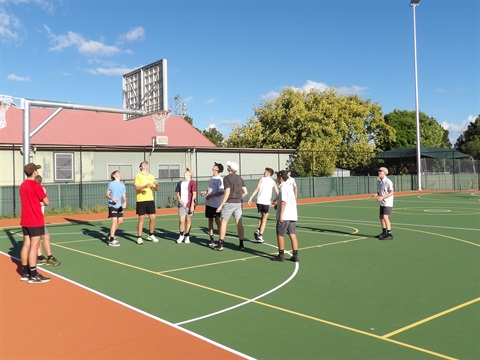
{"x": 327, "y": 129}
{"x": 214, "y": 136}
{"x": 469, "y": 141}
{"x": 405, "y": 124}
{"x": 188, "y": 119}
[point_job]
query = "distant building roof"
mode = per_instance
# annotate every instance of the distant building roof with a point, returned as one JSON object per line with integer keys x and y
{"x": 90, "y": 128}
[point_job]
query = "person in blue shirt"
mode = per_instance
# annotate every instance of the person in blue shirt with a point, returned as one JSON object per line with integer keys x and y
{"x": 117, "y": 202}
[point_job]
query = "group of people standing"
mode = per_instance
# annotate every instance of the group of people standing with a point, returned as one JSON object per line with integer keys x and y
{"x": 223, "y": 200}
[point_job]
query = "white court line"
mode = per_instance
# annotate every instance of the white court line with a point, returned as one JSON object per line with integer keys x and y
{"x": 143, "y": 312}
{"x": 297, "y": 266}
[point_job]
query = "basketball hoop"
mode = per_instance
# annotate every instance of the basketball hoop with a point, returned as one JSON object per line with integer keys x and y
{"x": 159, "y": 120}
{"x": 5, "y": 102}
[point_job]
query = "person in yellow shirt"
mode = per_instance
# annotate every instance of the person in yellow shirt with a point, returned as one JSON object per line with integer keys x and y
{"x": 144, "y": 184}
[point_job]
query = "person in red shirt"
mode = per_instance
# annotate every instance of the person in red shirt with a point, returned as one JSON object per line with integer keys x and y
{"x": 32, "y": 197}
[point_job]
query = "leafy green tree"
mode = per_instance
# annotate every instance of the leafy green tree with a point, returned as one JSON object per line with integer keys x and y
{"x": 326, "y": 128}
{"x": 189, "y": 119}
{"x": 405, "y": 124}
{"x": 214, "y": 136}
{"x": 469, "y": 141}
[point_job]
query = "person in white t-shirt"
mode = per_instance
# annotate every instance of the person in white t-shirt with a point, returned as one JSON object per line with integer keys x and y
{"x": 287, "y": 217}
{"x": 212, "y": 200}
{"x": 291, "y": 181}
{"x": 384, "y": 196}
{"x": 264, "y": 189}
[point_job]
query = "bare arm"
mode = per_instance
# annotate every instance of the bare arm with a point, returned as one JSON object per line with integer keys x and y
{"x": 255, "y": 191}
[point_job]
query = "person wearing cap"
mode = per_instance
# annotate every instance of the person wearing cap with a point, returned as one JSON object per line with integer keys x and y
{"x": 144, "y": 184}
{"x": 287, "y": 216}
{"x": 231, "y": 204}
{"x": 213, "y": 198}
{"x": 117, "y": 202}
{"x": 264, "y": 188}
{"x": 186, "y": 190}
{"x": 32, "y": 197}
{"x": 384, "y": 196}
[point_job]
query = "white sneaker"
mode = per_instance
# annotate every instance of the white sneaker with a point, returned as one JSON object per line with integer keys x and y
{"x": 113, "y": 243}
{"x": 139, "y": 241}
{"x": 260, "y": 239}
{"x": 152, "y": 238}
{"x": 187, "y": 239}
{"x": 180, "y": 239}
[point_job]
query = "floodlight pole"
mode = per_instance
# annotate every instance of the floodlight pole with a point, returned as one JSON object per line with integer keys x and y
{"x": 414, "y": 4}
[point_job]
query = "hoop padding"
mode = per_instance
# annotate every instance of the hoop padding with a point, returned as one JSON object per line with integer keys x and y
{"x": 159, "y": 120}
{"x": 5, "y": 102}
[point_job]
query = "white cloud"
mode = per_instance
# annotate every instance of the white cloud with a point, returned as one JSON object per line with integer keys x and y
{"x": 455, "y": 130}
{"x": 440, "y": 91}
{"x": 211, "y": 126}
{"x": 84, "y": 46}
{"x": 211, "y": 101}
{"x": 321, "y": 87}
{"x": 133, "y": 35}
{"x": 18, "y": 78}
{"x": 45, "y": 4}
{"x": 11, "y": 28}
{"x": 113, "y": 71}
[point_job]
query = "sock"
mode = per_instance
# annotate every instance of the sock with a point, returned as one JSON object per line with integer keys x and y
{"x": 181, "y": 233}
{"x": 389, "y": 232}
{"x": 41, "y": 257}
{"x": 33, "y": 271}
{"x": 221, "y": 242}
{"x": 281, "y": 252}
{"x": 241, "y": 243}
{"x": 384, "y": 230}
{"x": 187, "y": 234}
{"x": 150, "y": 234}
{"x": 295, "y": 252}
{"x": 25, "y": 269}
{"x": 211, "y": 237}
{"x": 49, "y": 257}
{"x": 111, "y": 238}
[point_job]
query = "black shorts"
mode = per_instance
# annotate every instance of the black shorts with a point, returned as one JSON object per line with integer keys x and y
{"x": 386, "y": 210}
{"x": 264, "y": 209}
{"x": 33, "y": 231}
{"x": 115, "y": 212}
{"x": 211, "y": 212}
{"x": 146, "y": 207}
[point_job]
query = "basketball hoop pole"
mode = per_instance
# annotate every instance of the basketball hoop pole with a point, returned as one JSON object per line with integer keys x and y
{"x": 27, "y": 103}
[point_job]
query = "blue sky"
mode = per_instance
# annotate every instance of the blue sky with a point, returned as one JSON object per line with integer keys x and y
{"x": 226, "y": 57}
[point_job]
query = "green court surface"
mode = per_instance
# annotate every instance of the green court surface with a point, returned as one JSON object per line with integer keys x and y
{"x": 351, "y": 296}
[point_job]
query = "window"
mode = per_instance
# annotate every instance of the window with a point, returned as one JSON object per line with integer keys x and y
{"x": 63, "y": 166}
{"x": 169, "y": 171}
{"x": 126, "y": 170}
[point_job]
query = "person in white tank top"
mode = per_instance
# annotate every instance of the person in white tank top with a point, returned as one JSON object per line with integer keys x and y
{"x": 264, "y": 190}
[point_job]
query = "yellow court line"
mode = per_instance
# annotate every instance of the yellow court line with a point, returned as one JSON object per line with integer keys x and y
{"x": 268, "y": 305}
{"x": 433, "y": 317}
{"x": 354, "y": 330}
{"x": 441, "y": 235}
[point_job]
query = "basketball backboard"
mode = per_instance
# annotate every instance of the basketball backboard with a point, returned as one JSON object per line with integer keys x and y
{"x": 146, "y": 89}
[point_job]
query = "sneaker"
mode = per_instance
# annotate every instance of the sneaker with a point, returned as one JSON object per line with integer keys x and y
{"x": 187, "y": 239}
{"x": 54, "y": 262}
{"x": 255, "y": 234}
{"x": 294, "y": 258}
{"x": 219, "y": 247}
{"x": 113, "y": 243}
{"x": 139, "y": 241}
{"x": 25, "y": 277}
{"x": 41, "y": 262}
{"x": 241, "y": 248}
{"x": 279, "y": 258}
{"x": 260, "y": 239}
{"x": 212, "y": 244}
{"x": 378, "y": 236}
{"x": 152, "y": 238}
{"x": 38, "y": 279}
{"x": 386, "y": 237}
{"x": 180, "y": 239}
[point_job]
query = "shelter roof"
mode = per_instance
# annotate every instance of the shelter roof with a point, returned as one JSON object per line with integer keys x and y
{"x": 90, "y": 128}
{"x": 425, "y": 152}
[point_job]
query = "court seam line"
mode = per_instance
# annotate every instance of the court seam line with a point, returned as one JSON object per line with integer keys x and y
{"x": 433, "y": 317}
